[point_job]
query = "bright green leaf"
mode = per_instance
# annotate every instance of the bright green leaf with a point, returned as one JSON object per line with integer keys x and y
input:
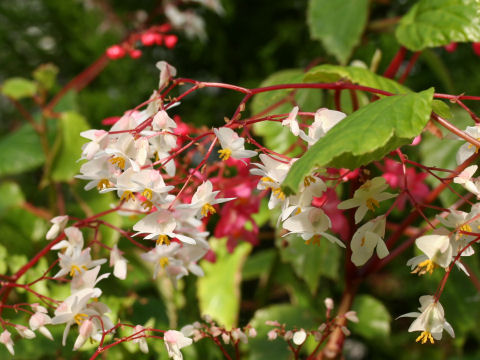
{"x": 310, "y": 262}
{"x": 367, "y": 135}
{"x": 431, "y": 23}
{"x": 46, "y": 75}
{"x": 65, "y": 165}
{"x": 356, "y": 75}
{"x": 18, "y": 88}
{"x": 293, "y": 316}
{"x": 219, "y": 290}
{"x": 20, "y": 151}
{"x": 374, "y": 318}
{"x": 442, "y": 109}
{"x": 337, "y": 24}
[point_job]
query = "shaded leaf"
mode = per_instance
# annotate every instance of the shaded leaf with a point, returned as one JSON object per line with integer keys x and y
{"x": 11, "y": 196}
{"x": 18, "y": 88}
{"x": 219, "y": 290}
{"x": 20, "y": 151}
{"x": 431, "y": 23}
{"x": 337, "y": 24}
{"x": 45, "y": 75}
{"x": 366, "y": 135}
{"x": 374, "y": 318}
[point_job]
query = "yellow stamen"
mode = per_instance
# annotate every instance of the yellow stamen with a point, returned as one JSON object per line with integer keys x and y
{"x": 298, "y": 211}
{"x": 278, "y": 193}
{"x": 424, "y": 267}
{"x": 157, "y": 158}
{"x": 163, "y": 239}
{"x": 147, "y": 204}
{"x": 148, "y": 193}
{"x": 314, "y": 240}
{"x": 471, "y": 145}
{"x": 363, "y": 242}
{"x": 308, "y": 180}
{"x": 74, "y": 269}
{"x": 225, "y": 154}
{"x": 207, "y": 208}
{"x": 267, "y": 179}
{"x": 464, "y": 227}
{"x": 424, "y": 336}
{"x": 372, "y": 203}
{"x": 119, "y": 161}
{"x": 103, "y": 184}
{"x": 127, "y": 195}
{"x": 163, "y": 261}
{"x": 79, "y": 318}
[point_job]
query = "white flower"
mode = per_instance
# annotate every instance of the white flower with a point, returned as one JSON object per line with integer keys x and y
{"x": 438, "y": 252}
{"x": 465, "y": 179}
{"x": 310, "y": 224}
{"x": 73, "y": 310}
{"x": 139, "y": 338}
{"x": 25, "y": 332}
{"x": 367, "y": 197}
{"x": 312, "y": 187}
{"x": 162, "y": 256}
{"x": 292, "y": 122}
{"x": 430, "y": 320}
{"x": 299, "y": 337}
{"x": 88, "y": 280}
{"x": 59, "y": 223}
{"x": 161, "y": 121}
{"x": 324, "y": 120}
{"x": 204, "y": 198}
{"x": 232, "y": 145}
{"x": 6, "y": 339}
{"x": 368, "y": 237}
{"x": 99, "y": 142}
{"x": 119, "y": 263}
{"x": 467, "y": 149}
{"x": 38, "y": 321}
{"x": 462, "y": 221}
{"x": 174, "y": 341}
{"x": 84, "y": 333}
{"x": 74, "y": 240}
{"x": 77, "y": 262}
{"x": 167, "y": 72}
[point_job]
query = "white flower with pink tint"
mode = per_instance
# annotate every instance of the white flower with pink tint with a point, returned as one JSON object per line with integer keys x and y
{"x": 291, "y": 121}
{"x": 119, "y": 263}
{"x": 6, "y": 339}
{"x": 174, "y": 341}
{"x": 232, "y": 145}
{"x": 59, "y": 223}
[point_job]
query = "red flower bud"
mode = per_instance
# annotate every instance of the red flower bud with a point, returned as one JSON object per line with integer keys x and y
{"x": 476, "y": 48}
{"x": 148, "y": 39}
{"x": 135, "y": 53}
{"x": 170, "y": 41}
{"x": 116, "y": 52}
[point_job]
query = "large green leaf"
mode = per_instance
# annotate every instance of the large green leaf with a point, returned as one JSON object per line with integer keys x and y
{"x": 374, "y": 318}
{"x": 20, "y": 151}
{"x": 219, "y": 290}
{"x": 310, "y": 262}
{"x": 367, "y": 135}
{"x": 11, "y": 195}
{"x": 431, "y": 23}
{"x": 276, "y": 136}
{"x": 337, "y": 24}
{"x": 356, "y": 75}
{"x": 292, "y": 316}
{"x": 18, "y": 88}
{"x": 66, "y": 165}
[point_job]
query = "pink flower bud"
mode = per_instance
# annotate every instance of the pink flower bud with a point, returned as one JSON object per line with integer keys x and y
{"x": 135, "y": 54}
{"x": 25, "y": 332}
{"x": 148, "y": 39}
{"x": 329, "y": 303}
{"x": 272, "y": 334}
{"x": 451, "y": 47}
{"x": 226, "y": 338}
{"x": 116, "y": 52}
{"x": 170, "y": 41}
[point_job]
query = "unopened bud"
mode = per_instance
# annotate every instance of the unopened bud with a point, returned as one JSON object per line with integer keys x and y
{"x": 329, "y": 303}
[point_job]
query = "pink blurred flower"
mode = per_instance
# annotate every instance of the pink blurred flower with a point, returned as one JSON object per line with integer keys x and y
{"x": 328, "y": 202}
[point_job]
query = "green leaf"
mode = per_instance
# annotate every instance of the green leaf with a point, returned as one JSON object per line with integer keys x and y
{"x": 277, "y": 137}
{"x": 45, "y": 75}
{"x": 310, "y": 262}
{"x": 374, "y": 318}
{"x": 367, "y": 135}
{"x": 66, "y": 165}
{"x": 431, "y": 23}
{"x": 20, "y": 151}
{"x": 293, "y": 316}
{"x": 337, "y": 24}
{"x": 219, "y": 290}
{"x": 442, "y": 109}
{"x": 258, "y": 264}
{"x": 356, "y": 75}
{"x": 11, "y": 196}
{"x": 18, "y": 88}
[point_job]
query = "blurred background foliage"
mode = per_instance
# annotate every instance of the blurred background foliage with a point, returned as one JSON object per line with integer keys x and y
{"x": 281, "y": 279}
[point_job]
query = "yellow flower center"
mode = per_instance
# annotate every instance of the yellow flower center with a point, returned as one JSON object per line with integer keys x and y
{"x": 147, "y": 204}
{"x": 103, "y": 184}
{"x": 372, "y": 203}
{"x": 119, "y": 161}
{"x": 127, "y": 195}
{"x": 148, "y": 193}
{"x": 314, "y": 240}
{"x": 267, "y": 179}
{"x": 471, "y": 145}
{"x": 225, "y": 154}
{"x": 163, "y": 261}
{"x": 163, "y": 239}
{"x": 74, "y": 269}
{"x": 308, "y": 180}
{"x": 207, "y": 208}
{"x": 79, "y": 318}
{"x": 424, "y": 267}
{"x": 424, "y": 336}
{"x": 278, "y": 193}
{"x": 466, "y": 228}
{"x": 363, "y": 242}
